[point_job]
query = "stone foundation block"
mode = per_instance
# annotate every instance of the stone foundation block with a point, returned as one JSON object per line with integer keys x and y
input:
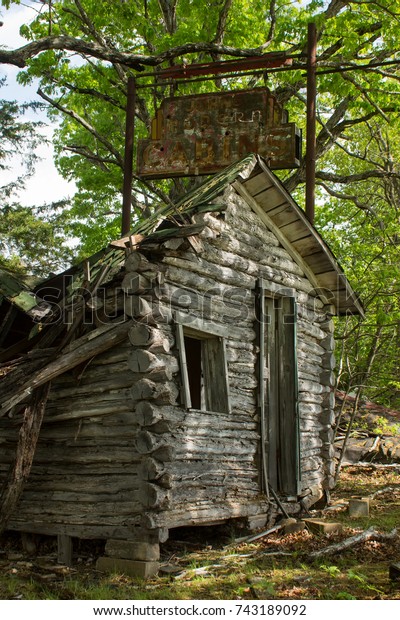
{"x": 132, "y": 550}
{"x": 323, "y": 527}
{"x": 257, "y": 521}
{"x": 133, "y": 568}
{"x": 359, "y": 507}
{"x": 292, "y": 526}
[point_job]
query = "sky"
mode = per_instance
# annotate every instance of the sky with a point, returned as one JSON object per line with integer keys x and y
{"x": 46, "y": 185}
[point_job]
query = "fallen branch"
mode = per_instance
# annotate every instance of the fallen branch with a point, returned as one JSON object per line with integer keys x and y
{"x": 367, "y": 464}
{"x": 384, "y": 490}
{"x": 370, "y": 534}
{"x": 253, "y": 537}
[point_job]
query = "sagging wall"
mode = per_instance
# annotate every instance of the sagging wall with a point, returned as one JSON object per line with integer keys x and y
{"x": 84, "y": 479}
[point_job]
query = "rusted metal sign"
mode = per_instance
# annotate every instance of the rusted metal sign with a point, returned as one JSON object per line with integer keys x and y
{"x": 202, "y": 134}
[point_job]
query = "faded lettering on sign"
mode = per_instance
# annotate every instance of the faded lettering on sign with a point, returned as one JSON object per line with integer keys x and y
{"x": 202, "y": 134}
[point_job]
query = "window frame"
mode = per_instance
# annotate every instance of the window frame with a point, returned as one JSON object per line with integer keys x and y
{"x": 214, "y": 363}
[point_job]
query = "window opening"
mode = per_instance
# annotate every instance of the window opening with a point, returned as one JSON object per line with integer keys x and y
{"x": 204, "y": 370}
{"x": 194, "y": 354}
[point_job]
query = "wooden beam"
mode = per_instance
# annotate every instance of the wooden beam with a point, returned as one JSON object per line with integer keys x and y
{"x": 84, "y": 348}
{"x": 64, "y": 549}
{"x": 27, "y": 440}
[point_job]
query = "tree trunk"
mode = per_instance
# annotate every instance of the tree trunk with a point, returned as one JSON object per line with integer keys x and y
{"x": 370, "y": 360}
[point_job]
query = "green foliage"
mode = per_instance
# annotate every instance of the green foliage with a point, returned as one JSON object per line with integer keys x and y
{"x": 358, "y": 174}
{"x": 383, "y": 427}
{"x": 31, "y": 238}
{"x": 333, "y": 571}
{"x": 361, "y": 225}
{"x": 17, "y": 137}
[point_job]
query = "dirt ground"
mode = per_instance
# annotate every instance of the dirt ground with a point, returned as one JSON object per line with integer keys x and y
{"x": 207, "y": 564}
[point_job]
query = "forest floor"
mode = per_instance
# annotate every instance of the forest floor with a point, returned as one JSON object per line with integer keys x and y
{"x": 208, "y": 565}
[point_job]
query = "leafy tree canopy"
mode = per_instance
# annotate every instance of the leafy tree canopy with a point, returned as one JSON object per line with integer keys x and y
{"x": 30, "y": 237}
{"x": 83, "y": 52}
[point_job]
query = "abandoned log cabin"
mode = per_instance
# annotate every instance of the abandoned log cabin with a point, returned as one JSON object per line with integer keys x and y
{"x": 184, "y": 375}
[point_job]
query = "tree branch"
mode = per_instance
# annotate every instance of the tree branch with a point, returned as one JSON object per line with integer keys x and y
{"x": 85, "y": 91}
{"x": 168, "y": 9}
{"x": 87, "y": 153}
{"x": 118, "y": 158}
{"x": 363, "y": 91}
{"x": 353, "y": 178}
{"x": 222, "y": 21}
{"x": 19, "y": 57}
{"x": 370, "y": 534}
{"x": 351, "y": 197}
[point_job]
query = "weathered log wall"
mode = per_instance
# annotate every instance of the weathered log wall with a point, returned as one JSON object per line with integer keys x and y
{"x": 84, "y": 479}
{"x": 118, "y": 451}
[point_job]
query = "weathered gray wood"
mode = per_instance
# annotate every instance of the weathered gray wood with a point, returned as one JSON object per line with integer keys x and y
{"x": 143, "y": 335}
{"x": 147, "y": 414}
{"x": 141, "y": 360}
{"x": 174, "y": 244}
{"x": 165, "y": 481}
{"x": 165, "y": 453}
{"x": 135, "y": 283}
{"x": 90, "y": 412}
{"x": 162, "y": 393}
{"x": 137, "y": 306}
{"x": 203, "y": 514}
{"x": 64, "y": 549}
{"x": 25, "y": 452}
{"x": 310, "y": 347}
{"x": 185, "y": 387}
{"x": 153, "y": 496}
{"x": 151, "y": 469}
{"x": 125, "y": 427}
{"x": 312, "y": 387}
{"x": 215, "y": 372}
{"x": 328, "y": 378}
{"x": 147, "y": 442}
{"x": 107, "y": 528}
{"x": 207, "y": 459}
{"x": 311, "y": 330}
{"x": 328, "y": 361}
{"x": 202, "y": 268}
{"x": 195, "y": 324}
{"x": 118, "y": 380}
{"x": 94, "y": 343}
{"x": 49, "y": 453}
{"x": 70, "y": 512}
{"x": 272, "y": 393}
{"x": 253, "y": 249}
{"x": 136, "y": 261}
{"x": 95, "y": 483}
